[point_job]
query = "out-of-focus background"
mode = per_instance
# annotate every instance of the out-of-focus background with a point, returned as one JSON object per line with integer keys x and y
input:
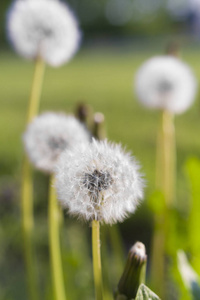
{"x": 118, "y": 36}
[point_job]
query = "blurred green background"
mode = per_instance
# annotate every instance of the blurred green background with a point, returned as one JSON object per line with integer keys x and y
{"x": 119, "y": 35}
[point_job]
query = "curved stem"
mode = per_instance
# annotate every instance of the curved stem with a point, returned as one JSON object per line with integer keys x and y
{"x": 97, "y": 260}
{"x": 54, "y": 241}
{"x": 27, "y": 185}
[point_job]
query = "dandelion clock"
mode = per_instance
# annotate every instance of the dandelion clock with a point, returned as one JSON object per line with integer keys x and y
{"x": 48, "y": 135}
{"x": 98, "y": 182}
{"x": 166, "y": 83}
{"x": 45, "y": 28}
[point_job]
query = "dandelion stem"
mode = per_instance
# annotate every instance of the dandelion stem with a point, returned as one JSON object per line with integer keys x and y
{"x": 158, "y": 256}
{"x": 36, "y": 89}
{"x": 27, "y": 223}
{"x": 54, "y": 241}
{"x": 97, "y": 260}
{"x": 27, "y": 185}
{"x": 168, "y": 157}
{"x": 165, "y": 182}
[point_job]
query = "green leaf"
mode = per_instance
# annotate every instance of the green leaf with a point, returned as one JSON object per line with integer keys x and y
{"x": 189, "y": 276}
{"x": 144, "y": 293}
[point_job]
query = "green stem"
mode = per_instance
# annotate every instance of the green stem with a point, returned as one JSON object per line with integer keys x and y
{"x": 27, "y": 185}
{"x": 36, "y": 89}
{"x": 168, "y": 158}
{"x": 27, "y": 223}
{"x": 97, "y": 260}
{"x": 54, "y": 241}
{"x": 165, "y": 182}
{"x": 158, "y": 256}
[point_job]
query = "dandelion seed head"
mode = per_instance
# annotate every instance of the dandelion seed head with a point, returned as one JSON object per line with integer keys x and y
{"x": 99, "y": 181}
{"x": 165, "y": 82}
{"x": 45, "y": 28}
{"x": 49, "y": 135}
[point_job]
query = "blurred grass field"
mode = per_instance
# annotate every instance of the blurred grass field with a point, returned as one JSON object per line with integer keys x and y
{"x": 103, "y": 78}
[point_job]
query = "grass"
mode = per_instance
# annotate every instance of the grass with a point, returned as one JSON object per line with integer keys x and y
{"x": 102, "y": 78}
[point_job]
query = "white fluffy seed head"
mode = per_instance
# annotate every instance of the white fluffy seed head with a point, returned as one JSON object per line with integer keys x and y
{"x": 48, "y": 135}
{"x": 166, "y": 83}
{"x": 45, "y": 28}
{"x": 99, "y": 181}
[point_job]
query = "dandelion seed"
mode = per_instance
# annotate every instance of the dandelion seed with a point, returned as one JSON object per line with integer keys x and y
{"x": 99, "y": 181}
{"x": 49, "y": 135}
{"x": 166, "y": 83}
{"x": 45, "y": 28}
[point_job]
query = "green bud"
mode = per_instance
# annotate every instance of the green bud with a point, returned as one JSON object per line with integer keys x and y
{"x": 134, "y": 272}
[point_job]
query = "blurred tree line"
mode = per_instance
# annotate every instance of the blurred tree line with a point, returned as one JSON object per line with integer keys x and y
{"x": 120, "y": 17}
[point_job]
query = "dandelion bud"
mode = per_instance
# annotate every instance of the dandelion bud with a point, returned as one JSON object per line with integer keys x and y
{"x": 166, "y": 83}
{"x": 44, "y": 28}
{"x": 83, "y": 113}
{"x": 134, "y": 272}
{"x": 99, "y": 126}
{"x": 99, "y": 181}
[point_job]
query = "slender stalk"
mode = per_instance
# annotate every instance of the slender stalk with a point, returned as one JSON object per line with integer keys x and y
{"x": 168, "y": 158}
{"x": 27, "y": 223}
{"x": 54, "y": 241}
{"x": 36, "y": 89}
{"x": 158, "y": 256}
{"x": 165, "y": 182}
{"x": 97, "y": 260}
{"x": 27, "y": 185}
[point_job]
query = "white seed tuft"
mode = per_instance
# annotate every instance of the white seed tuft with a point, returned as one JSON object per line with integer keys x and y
{"x": 99, "y": 181}
{"x": 165, "y": 82}
{"x": 49, "y": 135}
{"x": 45, "y": 28}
